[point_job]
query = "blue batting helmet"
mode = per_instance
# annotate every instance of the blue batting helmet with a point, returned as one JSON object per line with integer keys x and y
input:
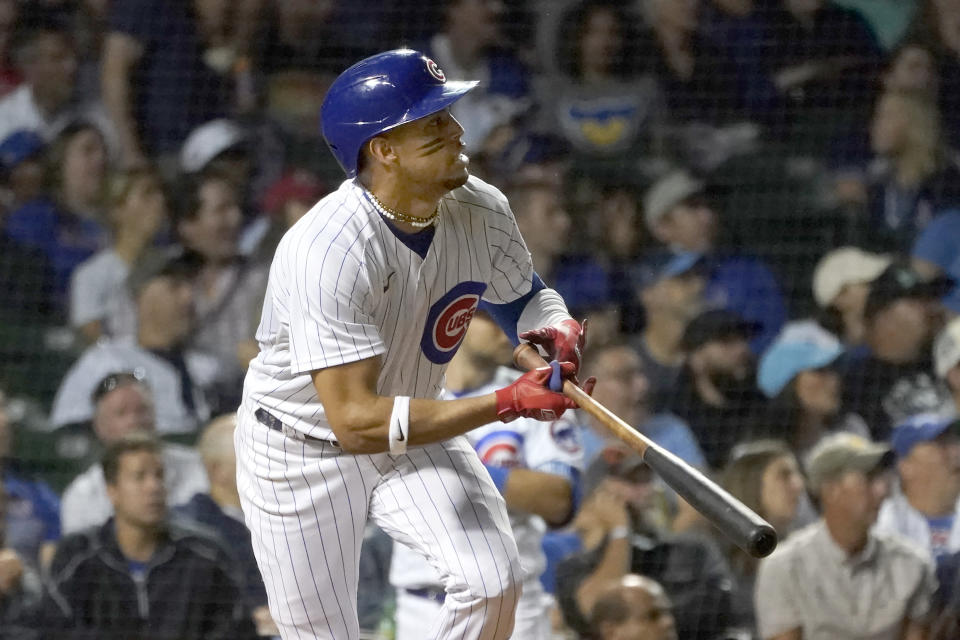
{"x": 379, "y": 93}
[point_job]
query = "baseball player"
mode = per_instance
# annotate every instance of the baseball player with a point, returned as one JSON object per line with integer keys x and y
{"x": 534, "y": 466}
{"x": 369, "y": 297}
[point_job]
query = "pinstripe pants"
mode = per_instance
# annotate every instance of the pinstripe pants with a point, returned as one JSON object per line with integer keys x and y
{"x": 306, "y": 503}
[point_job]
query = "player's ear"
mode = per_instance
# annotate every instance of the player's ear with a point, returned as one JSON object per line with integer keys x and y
{"x": 380, "y": 150}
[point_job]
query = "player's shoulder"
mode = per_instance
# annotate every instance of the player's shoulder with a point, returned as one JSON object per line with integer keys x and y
{"x": 480, "y": 197}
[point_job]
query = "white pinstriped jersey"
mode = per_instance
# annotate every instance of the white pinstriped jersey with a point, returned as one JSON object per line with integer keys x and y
{"x": 552, "y": 447}
{"x": 343, "y": 288}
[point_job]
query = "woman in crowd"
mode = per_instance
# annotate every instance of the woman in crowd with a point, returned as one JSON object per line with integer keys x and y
{"x": 66, "y": 224}
{"x": 765, "y": 476}
{"x": 798, "y": 373}
{"x": 137, "y": 211}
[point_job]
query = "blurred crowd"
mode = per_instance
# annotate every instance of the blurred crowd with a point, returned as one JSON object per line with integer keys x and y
{"x": 755, "y": 204}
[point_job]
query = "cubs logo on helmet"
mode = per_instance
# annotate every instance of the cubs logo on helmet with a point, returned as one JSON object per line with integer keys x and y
{"x": 435, "y": 71}
{"x": 448, "y": 320}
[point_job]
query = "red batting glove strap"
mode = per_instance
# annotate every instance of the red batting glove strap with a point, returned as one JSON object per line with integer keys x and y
{"x": 563, "y": 342}
{"x": 530, "y": 397}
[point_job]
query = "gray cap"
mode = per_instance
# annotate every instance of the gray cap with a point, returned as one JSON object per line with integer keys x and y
{"x": 667, "y": 192}
{"x": 843, "y": 452}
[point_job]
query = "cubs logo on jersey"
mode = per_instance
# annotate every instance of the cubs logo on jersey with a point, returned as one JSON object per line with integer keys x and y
{"x": 501, "y": 448}
{"x": 565, "y": 435}
{"x": 448, "y": 320}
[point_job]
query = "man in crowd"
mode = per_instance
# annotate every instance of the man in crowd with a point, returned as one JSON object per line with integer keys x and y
{"x": 535, "y": 466}
{"x": 219, "y": 510}
{"x": 924, "y": 509}
{"x": 837, "y": 578}
{"x": 153, "y": 578}
{"x": 624, "y": 387}
{"x": 124, "y": 405}
{"x": 678, "y": 212}
{"x": 671, "y": 291}
{"x": 180, "y": 379}
{"x": 633, "y": 608}
{"x": 895, "y": 380}
{"x": 716, "y": 394}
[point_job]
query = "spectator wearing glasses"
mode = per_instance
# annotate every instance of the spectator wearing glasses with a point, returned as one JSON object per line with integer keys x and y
{"x": 123, "y": 405}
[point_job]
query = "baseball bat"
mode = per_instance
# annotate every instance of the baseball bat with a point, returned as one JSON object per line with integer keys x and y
{"x": 745, "y": 528}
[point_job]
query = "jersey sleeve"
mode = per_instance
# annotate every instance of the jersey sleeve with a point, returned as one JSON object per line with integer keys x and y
{"x": 330, "y": 323}
{"x": 512, "y": 274}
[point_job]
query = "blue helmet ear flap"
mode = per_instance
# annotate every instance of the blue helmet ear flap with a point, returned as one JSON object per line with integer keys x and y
{"x": 379, "y": 93}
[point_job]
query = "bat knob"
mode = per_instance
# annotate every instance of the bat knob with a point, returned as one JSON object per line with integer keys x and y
{"x": 762, "y": 542}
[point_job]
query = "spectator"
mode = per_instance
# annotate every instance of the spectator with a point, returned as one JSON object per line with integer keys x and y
{"x": 623, "y": 385}
{"x": 21, "y": 168}
{"x": 671, "y": 291}
{"x": 153, "y": 577}
{"x": 913, "y": 69}
{"x": 716, "y": 394}
{"x": 535, "y": 467}
{"x": 137, "y": 212}
{"x": 816, "y": 583}
{"x": 633, "y": 608}
{"x": 219, "y": 510}
{"x": 912, "y": 177}
{"x": 183, "y": 381}
{"x": 597, "y": 102}
{"x": 286, "y": 201}
{"x": 679, "y": 214}
{"x": 895, "y": 379}
{"x": 124, "y": 405}
{"x": 9, "y": 76}
{"x": 841, "y": 282}
{"x": 934, "y": 253}
{"x": 228, "y": 286}
{"x": 924, "y": 508}
{"x": 66, "y": 224}
{"x": 700, "y": 82}
{"x": 466, "y": 48}
{"x": 618, "y": 529}
{"x": 30, "y": 524}
{"x": 938, "y": 24}
{"x": 799, "y": 373}
{"x": 538, "y": 206}
{"x": 946, "y": 358}
{"x": 20, "y": 586}
{"x": 48, "y": 96}
{"x": 765, "y": 476}
{"x": 154, "y": 109}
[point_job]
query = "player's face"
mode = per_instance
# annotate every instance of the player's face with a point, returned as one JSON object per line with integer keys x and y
{"x": 430, "y": 152}
{"x": 138, "y": 495}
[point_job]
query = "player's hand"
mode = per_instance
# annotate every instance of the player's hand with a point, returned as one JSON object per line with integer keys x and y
{"x": 530, "y": 396}
{"x": 562, "y": 342}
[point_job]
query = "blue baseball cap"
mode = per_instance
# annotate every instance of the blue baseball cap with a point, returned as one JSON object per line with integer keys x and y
{"x": 667, "y": 264}
{"x": 18, "y": 147}
{"x": 922, "y": 427}
{"x": 785, "y": 359}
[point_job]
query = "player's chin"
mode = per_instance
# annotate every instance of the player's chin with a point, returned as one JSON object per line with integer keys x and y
{"x": 458, "y": 177}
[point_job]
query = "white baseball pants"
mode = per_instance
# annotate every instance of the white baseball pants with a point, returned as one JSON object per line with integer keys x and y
{"x": 306, "y": 503}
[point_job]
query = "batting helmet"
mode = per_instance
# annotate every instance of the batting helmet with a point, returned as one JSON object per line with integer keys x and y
{"x": 379, "y": 93}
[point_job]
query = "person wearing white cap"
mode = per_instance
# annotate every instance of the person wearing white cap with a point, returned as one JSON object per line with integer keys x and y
{"x": 799, "y": 374}
{"x": 841, "y": 281}
{"x": 219, "y": 141}
{"x": 946, "y": 360}
{"x": 679, "y": 214}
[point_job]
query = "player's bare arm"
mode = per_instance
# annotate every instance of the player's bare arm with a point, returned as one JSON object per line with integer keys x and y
{"x": 360, "y": 418}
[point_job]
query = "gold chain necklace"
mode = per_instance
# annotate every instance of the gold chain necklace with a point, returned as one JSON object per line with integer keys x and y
{"x": 393, "y": 214}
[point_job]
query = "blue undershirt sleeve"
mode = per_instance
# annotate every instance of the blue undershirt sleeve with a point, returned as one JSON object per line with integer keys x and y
{"x": 508, "y": 315}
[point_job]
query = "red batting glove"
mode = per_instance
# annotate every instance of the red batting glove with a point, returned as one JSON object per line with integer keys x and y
{"x": 562, "y": 342}
{"x": 530, "y": 395}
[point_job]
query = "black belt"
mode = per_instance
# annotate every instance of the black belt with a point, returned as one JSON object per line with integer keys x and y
{"x": 436, "y": 595}
{"x": 267, "y": 419}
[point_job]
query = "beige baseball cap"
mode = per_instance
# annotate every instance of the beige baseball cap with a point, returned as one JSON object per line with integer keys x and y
{"x": 667, "y": 192}
{"x": 946, "y": 348}
{"x": 843, "y": 266}
{"x": 841, "y": 452}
